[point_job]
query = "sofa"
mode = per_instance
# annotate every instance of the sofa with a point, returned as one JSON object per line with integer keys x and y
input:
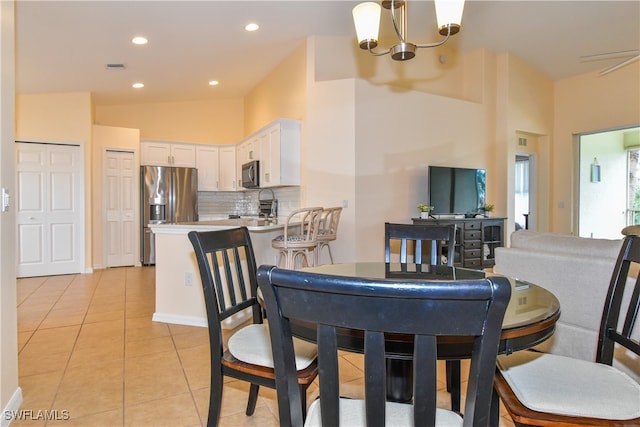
{"x": 577, "y": 271}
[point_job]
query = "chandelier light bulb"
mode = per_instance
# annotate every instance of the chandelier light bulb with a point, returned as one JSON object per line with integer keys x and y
{"x": 449, "y": 15}
{"x": 366, "y": 17}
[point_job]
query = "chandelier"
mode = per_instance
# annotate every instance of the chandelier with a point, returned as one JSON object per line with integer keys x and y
{"x": 366, "y": 17}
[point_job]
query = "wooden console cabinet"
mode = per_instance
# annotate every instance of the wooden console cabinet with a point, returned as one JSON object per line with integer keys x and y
{"x": 476, "y": 239}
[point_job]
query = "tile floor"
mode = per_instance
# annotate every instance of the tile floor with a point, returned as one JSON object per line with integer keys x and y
{"x": 88, "y": 351}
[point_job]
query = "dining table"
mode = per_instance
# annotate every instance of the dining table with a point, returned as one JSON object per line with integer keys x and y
{"x": 529, "y": 320}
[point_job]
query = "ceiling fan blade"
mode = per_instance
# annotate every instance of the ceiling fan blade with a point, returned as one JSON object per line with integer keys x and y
{"x": 608, "y": 55}
{"x": 619, "y": 65}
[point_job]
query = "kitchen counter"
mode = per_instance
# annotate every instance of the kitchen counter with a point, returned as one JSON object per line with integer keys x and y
{"x": 252, "y": 224}
{"x": 179, "y": 298}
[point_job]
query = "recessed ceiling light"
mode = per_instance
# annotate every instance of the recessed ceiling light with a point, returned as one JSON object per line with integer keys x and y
{"x": 251, "y": 27}
{"x": 214, "y": 83}
{"x": 138, "y": 85}
{"x": 139, "y": 40}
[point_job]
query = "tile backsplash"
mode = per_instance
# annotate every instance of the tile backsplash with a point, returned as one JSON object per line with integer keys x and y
{"x": 213, "y": 204}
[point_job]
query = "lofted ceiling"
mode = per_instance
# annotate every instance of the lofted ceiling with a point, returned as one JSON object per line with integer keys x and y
{"x": 64, "y": 46}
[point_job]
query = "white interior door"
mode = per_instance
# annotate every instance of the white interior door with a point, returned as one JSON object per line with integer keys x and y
{"x": 120, "y": 202}
{"x": 50, "y": 210}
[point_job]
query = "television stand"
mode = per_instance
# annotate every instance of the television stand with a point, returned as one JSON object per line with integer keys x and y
{"x": 476, "y": 239}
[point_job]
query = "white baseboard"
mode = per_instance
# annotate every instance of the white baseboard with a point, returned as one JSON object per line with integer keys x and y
{"x": 180, "y": 320}
{"x": 229, "y": 323}
{"x": 12, "y": 407}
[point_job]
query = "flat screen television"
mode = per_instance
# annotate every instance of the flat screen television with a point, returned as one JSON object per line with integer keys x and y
{"x": 457, "y": 190}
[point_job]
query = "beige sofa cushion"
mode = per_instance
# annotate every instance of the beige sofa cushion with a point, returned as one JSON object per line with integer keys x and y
{"x": 577, "y": 271}
{"x": 566, "y": 244}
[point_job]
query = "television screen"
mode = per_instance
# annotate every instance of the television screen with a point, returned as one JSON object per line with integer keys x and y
{"x": 456, "y": 190}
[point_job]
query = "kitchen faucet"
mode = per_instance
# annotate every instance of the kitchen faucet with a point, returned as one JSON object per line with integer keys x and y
{"x": 268, "y": 208}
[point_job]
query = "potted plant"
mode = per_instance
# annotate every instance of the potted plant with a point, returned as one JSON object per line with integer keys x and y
{"x": 488, "y": 208}
{"x": 424, "y": 210}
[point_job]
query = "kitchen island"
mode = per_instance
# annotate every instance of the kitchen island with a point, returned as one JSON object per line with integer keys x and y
{"x": 179, "y": 298}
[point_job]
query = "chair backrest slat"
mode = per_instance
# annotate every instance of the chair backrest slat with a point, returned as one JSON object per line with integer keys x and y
{"x": 329, "y": 222}
{"x": 414, "y": 235}
{"x": 227, "y": 266}
{"x": 306, "y": 220}
{"x": 424, "y": 309}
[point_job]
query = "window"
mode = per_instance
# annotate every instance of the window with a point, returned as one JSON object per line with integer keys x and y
{"x": 633, "y": 187}
{"x": 522, "y": 192}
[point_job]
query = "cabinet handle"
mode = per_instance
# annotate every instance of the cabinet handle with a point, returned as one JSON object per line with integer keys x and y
{"x": 250, "y": 154}
{"x": 267, "y": 177}
{"x": 169, "y": 159}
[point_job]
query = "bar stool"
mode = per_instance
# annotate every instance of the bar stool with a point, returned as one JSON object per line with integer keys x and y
{"x": 328, "y": 231}
{"x": 299, "y": 238}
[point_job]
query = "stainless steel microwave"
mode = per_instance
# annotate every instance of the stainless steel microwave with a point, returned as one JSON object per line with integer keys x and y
{"x": 251, "y": 174}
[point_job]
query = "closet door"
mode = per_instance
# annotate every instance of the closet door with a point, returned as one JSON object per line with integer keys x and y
{"x": 50, "y": 210}
{"x": 120, "y": 202}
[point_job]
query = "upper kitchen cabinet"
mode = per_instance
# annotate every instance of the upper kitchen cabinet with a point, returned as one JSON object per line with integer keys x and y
{"x": 246, "y": 151}
{"x": 280, "y": 153}
{"x": 228, "y": 168}
{"x": 208, "y": 164}
{"x": 216, "y": 167}
{"x": 157, "y": 153}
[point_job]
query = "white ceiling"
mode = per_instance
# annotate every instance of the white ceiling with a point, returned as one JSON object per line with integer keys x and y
{"x": 64, "y": 46}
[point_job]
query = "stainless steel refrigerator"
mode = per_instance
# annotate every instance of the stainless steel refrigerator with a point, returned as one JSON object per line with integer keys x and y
{"x": 168, "y": 195}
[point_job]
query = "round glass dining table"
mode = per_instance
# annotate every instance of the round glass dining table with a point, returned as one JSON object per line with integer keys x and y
{"x": 529, "y": 320}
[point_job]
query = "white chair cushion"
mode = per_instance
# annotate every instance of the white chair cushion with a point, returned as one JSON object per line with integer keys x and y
{"x": 352, "y": 413}
{"x": 252, "y": 344}
{"x": 566, "y": 386}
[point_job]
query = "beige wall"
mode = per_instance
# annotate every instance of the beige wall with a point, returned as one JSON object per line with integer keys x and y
{"x": 10, "y": 394}
{"x": 340, "y": 57}
{"x": 200, "y": 122}
{"x": 397, "y": 137}
{"x": 526, "y": 98}
{"x": 108, "y": 137}
{"x": 282, "y": 94}
{"x": 64, "y": 118}
{"x": 329, "y": 158}
{"x": 582, "y": 104}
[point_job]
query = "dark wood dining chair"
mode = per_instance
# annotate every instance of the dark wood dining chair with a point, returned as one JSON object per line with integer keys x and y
{"x": 415, "y": 236}
{"x": 550, "y": 390}
{"x": 421, "y": 308}
{"x": 439, "y": 238}
{"x": 228, "y": 272}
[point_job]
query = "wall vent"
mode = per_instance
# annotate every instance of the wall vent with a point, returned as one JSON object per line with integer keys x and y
{"x": 522, "y": 142}
{"x": 115, "y": 66}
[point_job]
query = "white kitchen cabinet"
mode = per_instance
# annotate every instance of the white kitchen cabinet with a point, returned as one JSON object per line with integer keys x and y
{"x": 227, "y": 164}
{"x": 216, "y": 167}
{"x": 246, "y": 151}
{"x": 158, "y": 153}
{"x": 208, "y": 164}
{"x": 280, "y": 153}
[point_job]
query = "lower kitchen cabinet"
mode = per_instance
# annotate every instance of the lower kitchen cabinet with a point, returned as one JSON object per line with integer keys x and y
{"x": 476, "y": 239}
